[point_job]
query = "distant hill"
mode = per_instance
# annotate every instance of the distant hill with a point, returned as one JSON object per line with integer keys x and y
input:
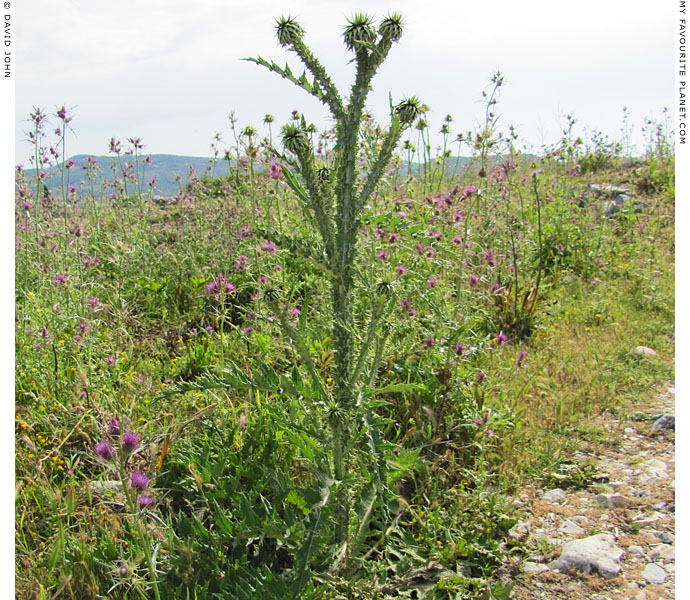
{"x": 164, "y": 168}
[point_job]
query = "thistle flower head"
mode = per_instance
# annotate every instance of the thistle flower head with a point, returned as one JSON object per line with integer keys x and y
{"x": 392, "y": 27}
{"x": 139, "y": 480}
{"x": 359, "y": 31}
{"x": 144, "y": 500}
{"x": 130, "y": 441}
{"x": 295, "y": 139}
{"x": 288, "y": 31}
{"x": 104, "y": 450}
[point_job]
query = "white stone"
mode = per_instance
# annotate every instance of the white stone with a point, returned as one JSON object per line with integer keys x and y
{"x": 580, "y": 520}
{"x": 554, "y": 496}
{"x": 534, "y": 568}
{"x": 665, "y": 551}
{"x": 571, "y": 528}
{"x": 636, "y": 550}
{"x": 644, "y": 351}
{"x": 653, "y": 573}
{"x": 594, "y": 553}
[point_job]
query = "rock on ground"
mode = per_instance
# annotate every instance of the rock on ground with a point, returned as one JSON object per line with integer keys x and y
{"x": 595, "y": 553}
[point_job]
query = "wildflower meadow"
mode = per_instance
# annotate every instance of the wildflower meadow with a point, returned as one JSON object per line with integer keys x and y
{"x": 327, "y": 371}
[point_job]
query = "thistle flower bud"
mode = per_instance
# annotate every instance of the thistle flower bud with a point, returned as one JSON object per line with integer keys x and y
{"x": 288, "y": 31}
{"x": 408, "y": 110}
{"x": 295, "y": 139}
{"x": 359, "y": 31}
{"x": 384, "y": 288}
{"x": 271, "y": 294}
{"x": 391, "y": 27}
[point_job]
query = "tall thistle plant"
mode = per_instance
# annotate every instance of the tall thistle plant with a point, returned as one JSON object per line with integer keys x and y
{"x": 332, "y": 201}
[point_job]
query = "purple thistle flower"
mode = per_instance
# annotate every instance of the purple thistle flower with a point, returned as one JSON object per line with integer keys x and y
{"x": 139, "y": 480}
{"x": 521, "y": 357}
{"x": 459, "y": 349}
{"x": 474, "y": 280}
{"x": 110, "y": 360}
{"x": 501, "y": 337}
{"x": 59, "y": 278}
{"x": 480, "y": 378}
{"x": 144, "y": 500}
{"x": 130, "y": 441}
{"x": 428, "y": 342}
{"x": 402, "y": 214}
{"x": 401, "y": 270}
{"x": 383, "y": 255}
{"x": 431, "y": 283}
{"x": 104, "y": 450}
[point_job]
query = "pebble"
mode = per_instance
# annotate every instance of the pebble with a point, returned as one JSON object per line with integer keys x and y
{"x": 665, "y": 551}
{"x": 554, "y": 496}
{"x": 644, "y": 351}
{"x": 571, "y": 528}
{"x": 636, "y": 550}
{"x": 531, "y": 567}
{"x": 653, "y": 573}
{"x": 612, "y": 500}
{"x": 580, "y": 519}
{"x": 666, "y": 538}
{"x": 664, "y": 422}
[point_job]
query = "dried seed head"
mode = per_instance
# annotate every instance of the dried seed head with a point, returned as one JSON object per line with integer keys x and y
{"x": 359, "y": 31}
{"x": 288, "y": 31}
{"x": 295, "y": 139}
{"x": 392, "y": 27}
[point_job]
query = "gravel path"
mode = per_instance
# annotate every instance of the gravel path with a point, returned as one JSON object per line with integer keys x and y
{"x": 613, "y": 538}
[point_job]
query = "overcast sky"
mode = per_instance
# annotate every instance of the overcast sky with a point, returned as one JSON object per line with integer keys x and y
{"x": 170, "y": 71}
